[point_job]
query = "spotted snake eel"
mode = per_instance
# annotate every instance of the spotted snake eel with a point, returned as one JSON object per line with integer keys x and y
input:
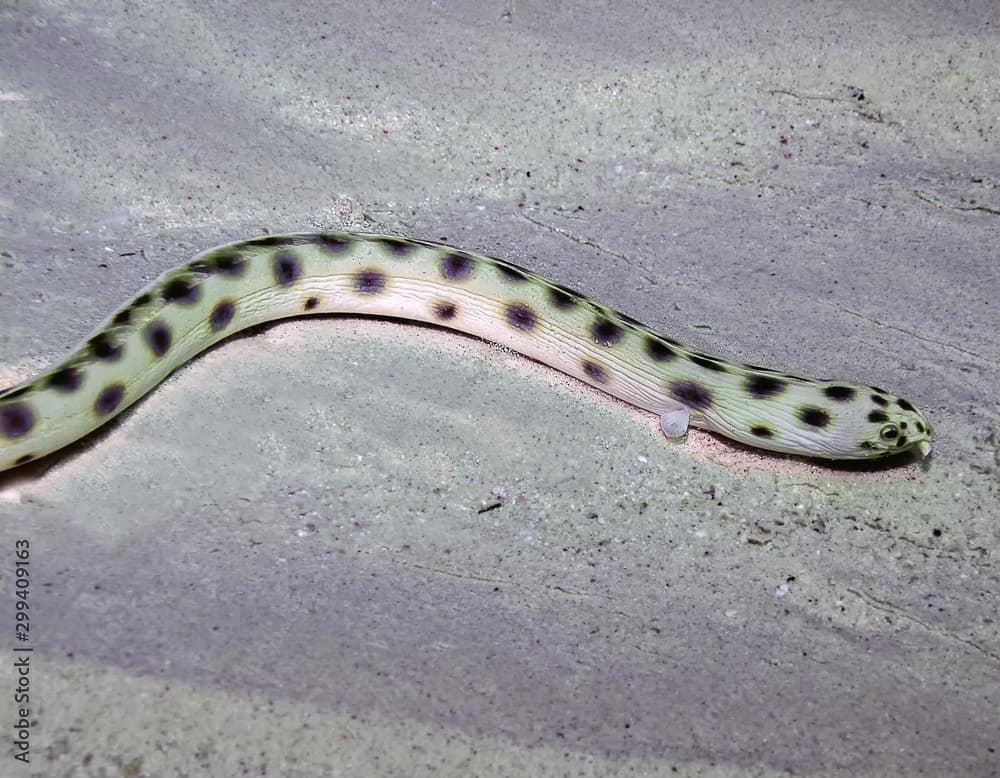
{"x": 238, "y": 285}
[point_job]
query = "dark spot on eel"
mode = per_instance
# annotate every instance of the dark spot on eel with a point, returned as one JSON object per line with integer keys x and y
{"x": 286, "y": 268}
{"x": 16, "y": 420}
{"x": 109, "y": 398}
{"x": 333, "y": 242}
{"x": 445, "y": 311}
{"x": 66, "y": 379}
{"x": 840, "y": 393}
{"x": 520, "y": 316}
{"x": 369, "y": 282}
{"x": 659, "y": 350}
{"x": 709, "y": 363}
{"x": 691, "y": 394}
{"x": 456, "y": 267}
{"x": 512, "y": 272}
{"x": 761, "y": 386}
{"x": 221, "y": 315}
{"x": 397, "y": 246}
{"x": 181, "y": 290}
{"x": 595, "y": 372}
{"x": 158, "y": 337}
{"x": 562, "y": 297}
{"x": 230, "y": 264}
{"x": 605, "y": 332}
{"x": 103, "y": 346}
{"x": 814, "y": 417}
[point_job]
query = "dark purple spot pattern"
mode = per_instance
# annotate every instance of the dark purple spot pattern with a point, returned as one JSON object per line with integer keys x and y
{"x": 841, "y": 394}
{"x": 659, "y": 350}
{"x": 109, "y": 398}
{"x": 605, "y": 332}
{"x": 16, "y": 420}
{"x": 594, "y": 372}
{"x": 709, "y": 363}
{"x": 691, "y": 394}
{"x": 158, "y": 338}
{"x": 181, "y": 290}
{"x": 445, "y": 311}
{"x": 66, "y": 379}
{"x": 562, "y": 298}
{"x": 103, "y": 347}
{"x": 397, "y": 246}
{"x": 286, "y": 268}
{"x": 221, "y": 315}
{"x": 520, "y": 316}
{"x": 512, "y": 272}
{"x": 333, "y": 242}
{"x": 230, "y": 264}
{"x": 814, "y": 417}
{"x": 761, "y": 386}
{"x": 456, "y": 267}
{"x": 369, "y": 282}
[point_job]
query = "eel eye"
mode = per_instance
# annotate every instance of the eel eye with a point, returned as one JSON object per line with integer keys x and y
{"x": 889, "y": 432}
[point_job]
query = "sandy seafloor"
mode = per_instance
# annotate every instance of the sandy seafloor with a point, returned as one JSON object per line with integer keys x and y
{"x": 351, "y": 547}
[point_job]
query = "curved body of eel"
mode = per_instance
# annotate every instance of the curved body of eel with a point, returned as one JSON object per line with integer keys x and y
{"x": 235, "y": 286}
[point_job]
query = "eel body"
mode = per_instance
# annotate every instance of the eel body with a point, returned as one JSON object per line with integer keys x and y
{"x": 235, "y": 286}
